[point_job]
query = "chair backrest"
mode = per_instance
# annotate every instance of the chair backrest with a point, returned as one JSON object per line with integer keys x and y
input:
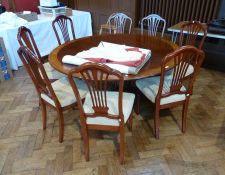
{"x": 98, "y": 77}
{"x": 189, "y": 33}
{"x": 61, "y": 24}
{"x": 181, "y": 59}
{"x": 153, "y": 21}
{"x": 120, "y": 21}
{"x": 25, "y": 38}
{"x": 37, "y": 73}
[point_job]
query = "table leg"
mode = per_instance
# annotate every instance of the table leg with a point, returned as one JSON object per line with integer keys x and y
{"x": 172, "y": 37}
{"x": 175, "y": 37}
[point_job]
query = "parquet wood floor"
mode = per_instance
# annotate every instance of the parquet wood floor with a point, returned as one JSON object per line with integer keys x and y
{"x": 25, "y": 149}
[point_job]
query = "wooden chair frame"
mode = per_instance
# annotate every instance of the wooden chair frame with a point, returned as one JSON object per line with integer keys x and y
{"x": 25, "y": 38}
{"x": 182, "y": 58}
{"x": 96, "y": 77}
{"x": 42, "y": 84}
{"x": 117, "y": 23}
{"x": 179, "y": 62}
{"x": 63, "y": 22}
{"x": 153, "y": 21}
{"x": 191, "y": 30}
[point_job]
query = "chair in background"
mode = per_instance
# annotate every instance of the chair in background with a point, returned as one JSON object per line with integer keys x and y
{"x": 168, "y": 90}
{"x": 189, "y": 32}
{"x": 117, "y": 22}
{"x": 153, "y": 21}
{"x": 102, "y": 109}
{"x": 62, "y": 26}
{"x": 58, "y": 95}
{"x": 25, "y": 38}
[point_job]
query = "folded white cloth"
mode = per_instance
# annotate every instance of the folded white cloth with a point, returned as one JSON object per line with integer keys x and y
{"x": 12, "y": 19}
{"x": 113, "y": 52}
{"x": 70, "y": 59}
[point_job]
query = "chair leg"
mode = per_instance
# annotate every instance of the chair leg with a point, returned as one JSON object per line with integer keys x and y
{"x": 85, "y": 139}
{"x": 131, "y": 121}
{"x": 61, "y": 126}
{"x": 44, "y": 113}
{"x": 184, "y": 115}
{"x": 39, "y": 103}
{"x": 137, "y": 105}
{"x": 100, "y": 31}
{"x": 157, "y": 122}
{"x": 122, "y": 144}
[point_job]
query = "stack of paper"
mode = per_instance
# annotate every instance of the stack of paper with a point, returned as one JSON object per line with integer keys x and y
{"x": 126, "y": 59}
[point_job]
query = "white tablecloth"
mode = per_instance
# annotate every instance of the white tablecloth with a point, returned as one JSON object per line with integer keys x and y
{"x": 43, "y": 34}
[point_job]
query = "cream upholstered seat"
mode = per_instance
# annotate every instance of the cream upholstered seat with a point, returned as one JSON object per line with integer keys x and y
{"x": 64, "y": 92}
{"x": 58, "y": 95}
{"x": 102, "y": 109}
{"x": 25, "y": 38}
{"x": 112, "y": 101}
{"x": 190, "y": 70}
{"x": 150, "y": 86}
{"x": 169, "y": 89}
{"x": 52, "y": 73}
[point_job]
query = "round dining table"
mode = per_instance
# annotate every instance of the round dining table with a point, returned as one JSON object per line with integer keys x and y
{"x": 159, "y": 49}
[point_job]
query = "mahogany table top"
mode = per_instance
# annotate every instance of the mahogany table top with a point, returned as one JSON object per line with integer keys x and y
{"x": 159, "y": 48}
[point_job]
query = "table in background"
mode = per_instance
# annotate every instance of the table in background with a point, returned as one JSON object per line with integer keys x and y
{"x": 43, "y": 35}
{"x": 176, "y": 29}
{"x": 159, "y": 49}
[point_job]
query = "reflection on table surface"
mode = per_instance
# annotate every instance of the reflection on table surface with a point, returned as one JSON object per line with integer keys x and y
{"x": 158, "y": 46}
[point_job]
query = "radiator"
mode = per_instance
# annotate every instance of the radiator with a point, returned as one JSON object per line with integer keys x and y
{"x": 174, "y": 11}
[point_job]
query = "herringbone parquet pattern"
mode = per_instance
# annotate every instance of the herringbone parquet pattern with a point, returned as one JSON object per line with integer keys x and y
{"x": 25, "y": 149}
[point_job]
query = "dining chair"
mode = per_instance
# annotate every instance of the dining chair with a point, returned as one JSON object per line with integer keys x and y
{"x": 62, "y": 25}
{"x": 102, "y": 109}
{"x": 58, "y": 95}
{"x": 189, "y": 32}
{"x": 25, "y": 38}
{"x": 117, "y": 22}
{"x": 153, "y": 21}
{"x": 169, "y": 90}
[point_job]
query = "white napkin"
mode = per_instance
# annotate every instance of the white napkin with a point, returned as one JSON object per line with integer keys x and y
{"x": 12, "y": 19}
